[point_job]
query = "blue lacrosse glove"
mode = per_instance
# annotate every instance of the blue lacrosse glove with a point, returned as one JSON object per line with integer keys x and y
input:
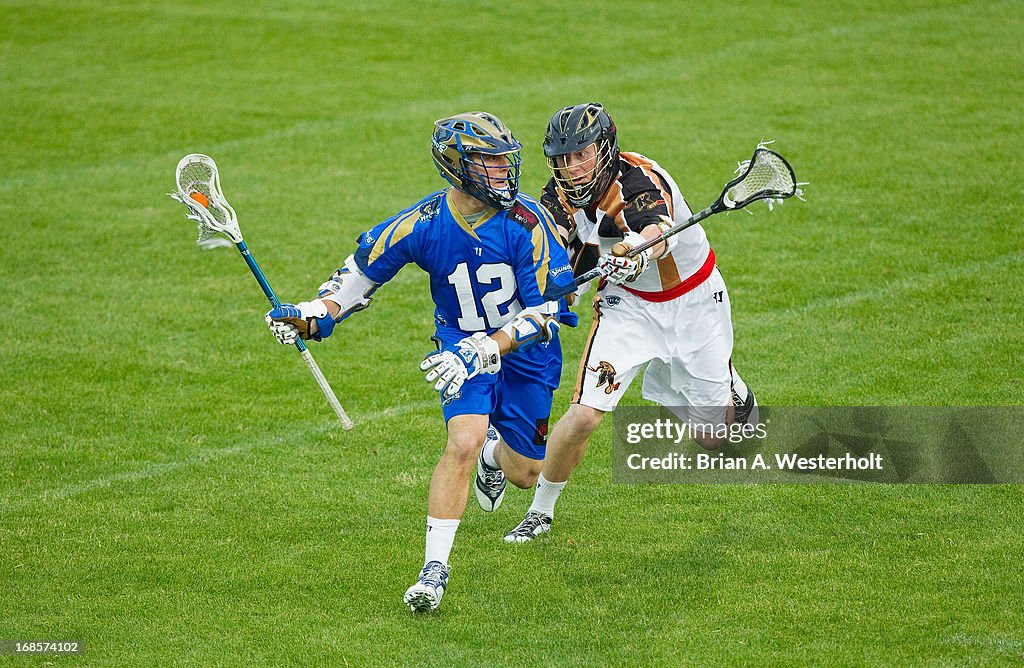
{"x": 289, "y": 322}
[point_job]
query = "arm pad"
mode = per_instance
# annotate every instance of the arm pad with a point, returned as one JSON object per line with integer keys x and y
{"x": 349, "y": 288}
{"x": 537, "y": 324}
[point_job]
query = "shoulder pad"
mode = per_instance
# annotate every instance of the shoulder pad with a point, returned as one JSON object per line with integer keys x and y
{"x": 635, "y": 179}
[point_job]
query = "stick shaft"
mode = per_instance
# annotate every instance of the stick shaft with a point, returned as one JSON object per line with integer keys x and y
{"x": 325, "y": 387}
{"x": 672, "y": 231}
{"x": 307, "y": 356}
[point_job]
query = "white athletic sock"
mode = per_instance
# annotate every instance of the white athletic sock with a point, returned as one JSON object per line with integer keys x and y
{"x": 490, "y": 452}
{"x": 440, "y": 538}
{"x": 545, "y": 495}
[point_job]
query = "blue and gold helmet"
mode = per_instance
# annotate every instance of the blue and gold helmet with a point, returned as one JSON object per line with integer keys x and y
{"x": 459, "y": 145}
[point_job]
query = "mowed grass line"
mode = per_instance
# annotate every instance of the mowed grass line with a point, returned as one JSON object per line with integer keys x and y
{"x": 304, "y": 543}
{"x": 326, "y": 430}
{"x": 774, "y": 320}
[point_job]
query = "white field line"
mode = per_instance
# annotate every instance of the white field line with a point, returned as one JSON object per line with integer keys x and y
{"x": 200, "y": 458}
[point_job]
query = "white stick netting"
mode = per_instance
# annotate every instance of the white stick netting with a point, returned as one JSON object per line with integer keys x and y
{"x": 198, "y": 184}
{"x": 766, "y": 176}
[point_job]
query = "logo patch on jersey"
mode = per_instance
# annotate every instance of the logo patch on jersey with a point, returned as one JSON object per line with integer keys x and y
{"x": 605, "y": 376}
{"x": 524, "y": 216}
{"x": 612, "y": 300}
{"x": 648, "y": 200}
{"x": 429, "y": 208}
{"x": 540, "y": 434}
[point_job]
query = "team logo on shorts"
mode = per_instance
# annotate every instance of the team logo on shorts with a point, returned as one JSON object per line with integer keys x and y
{"x": 446, "y": 400}
{"x": 540, "y": 435}
{"x": 605, "y": 376}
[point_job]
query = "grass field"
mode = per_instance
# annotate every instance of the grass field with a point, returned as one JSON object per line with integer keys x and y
{"x": 173, "y": 490}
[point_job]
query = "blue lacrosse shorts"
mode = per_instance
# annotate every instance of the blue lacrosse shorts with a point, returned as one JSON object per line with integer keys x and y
{"x": 517, "y": 398}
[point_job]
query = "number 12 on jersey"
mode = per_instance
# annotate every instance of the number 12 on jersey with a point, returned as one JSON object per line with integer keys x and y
{"x": 494, "y": 316}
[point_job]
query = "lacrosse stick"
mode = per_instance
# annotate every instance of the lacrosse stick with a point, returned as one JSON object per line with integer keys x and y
{"x": 198, "y": 183}
{"x": 766, "y": 176}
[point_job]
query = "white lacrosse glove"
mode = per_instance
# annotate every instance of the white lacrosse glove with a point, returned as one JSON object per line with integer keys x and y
{"x": 289, "y": 322}
{"x": 449, "y": 370}
{"x": 619, "y": 270}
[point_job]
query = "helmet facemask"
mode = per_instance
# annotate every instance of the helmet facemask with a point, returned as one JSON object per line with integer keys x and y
{"x": 584, "y": 182}
{"x": 491, "y": 178}
{"x": 571, "y": 132}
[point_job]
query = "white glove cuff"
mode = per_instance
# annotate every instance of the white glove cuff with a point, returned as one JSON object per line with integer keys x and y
{"x": 487, "y": 352}
{"x": 313, "y": 309}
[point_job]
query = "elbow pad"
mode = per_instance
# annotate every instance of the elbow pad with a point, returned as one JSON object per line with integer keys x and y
{"x": 537, "y": 324}
{"x": 349, "y": 288}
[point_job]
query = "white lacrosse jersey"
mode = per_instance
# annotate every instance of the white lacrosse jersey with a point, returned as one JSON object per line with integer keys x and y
{"x": 640, "y": 193}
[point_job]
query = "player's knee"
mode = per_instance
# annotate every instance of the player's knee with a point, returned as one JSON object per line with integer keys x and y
{"x": 583, "y": 420}
{"x": 464, "y": 446}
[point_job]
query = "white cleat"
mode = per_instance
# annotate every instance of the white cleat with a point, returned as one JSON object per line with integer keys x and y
{"x": 533, "y": 525}
{"x": 489, "y": 485}
{"x": 425, "y": 595}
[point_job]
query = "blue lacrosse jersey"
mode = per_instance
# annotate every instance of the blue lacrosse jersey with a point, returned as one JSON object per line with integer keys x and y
{"x": 481, "y": 276}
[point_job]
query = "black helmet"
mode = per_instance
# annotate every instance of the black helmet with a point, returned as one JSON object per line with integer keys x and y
{"x": 573, "y": 129}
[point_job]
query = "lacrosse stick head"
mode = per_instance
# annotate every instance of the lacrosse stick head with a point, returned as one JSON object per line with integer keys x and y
{"x": 766, "y": 175}
{"x": 198, "y": 183}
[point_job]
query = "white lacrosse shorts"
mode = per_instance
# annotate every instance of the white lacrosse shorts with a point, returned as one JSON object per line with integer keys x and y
{"x": 686, "y": 344}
